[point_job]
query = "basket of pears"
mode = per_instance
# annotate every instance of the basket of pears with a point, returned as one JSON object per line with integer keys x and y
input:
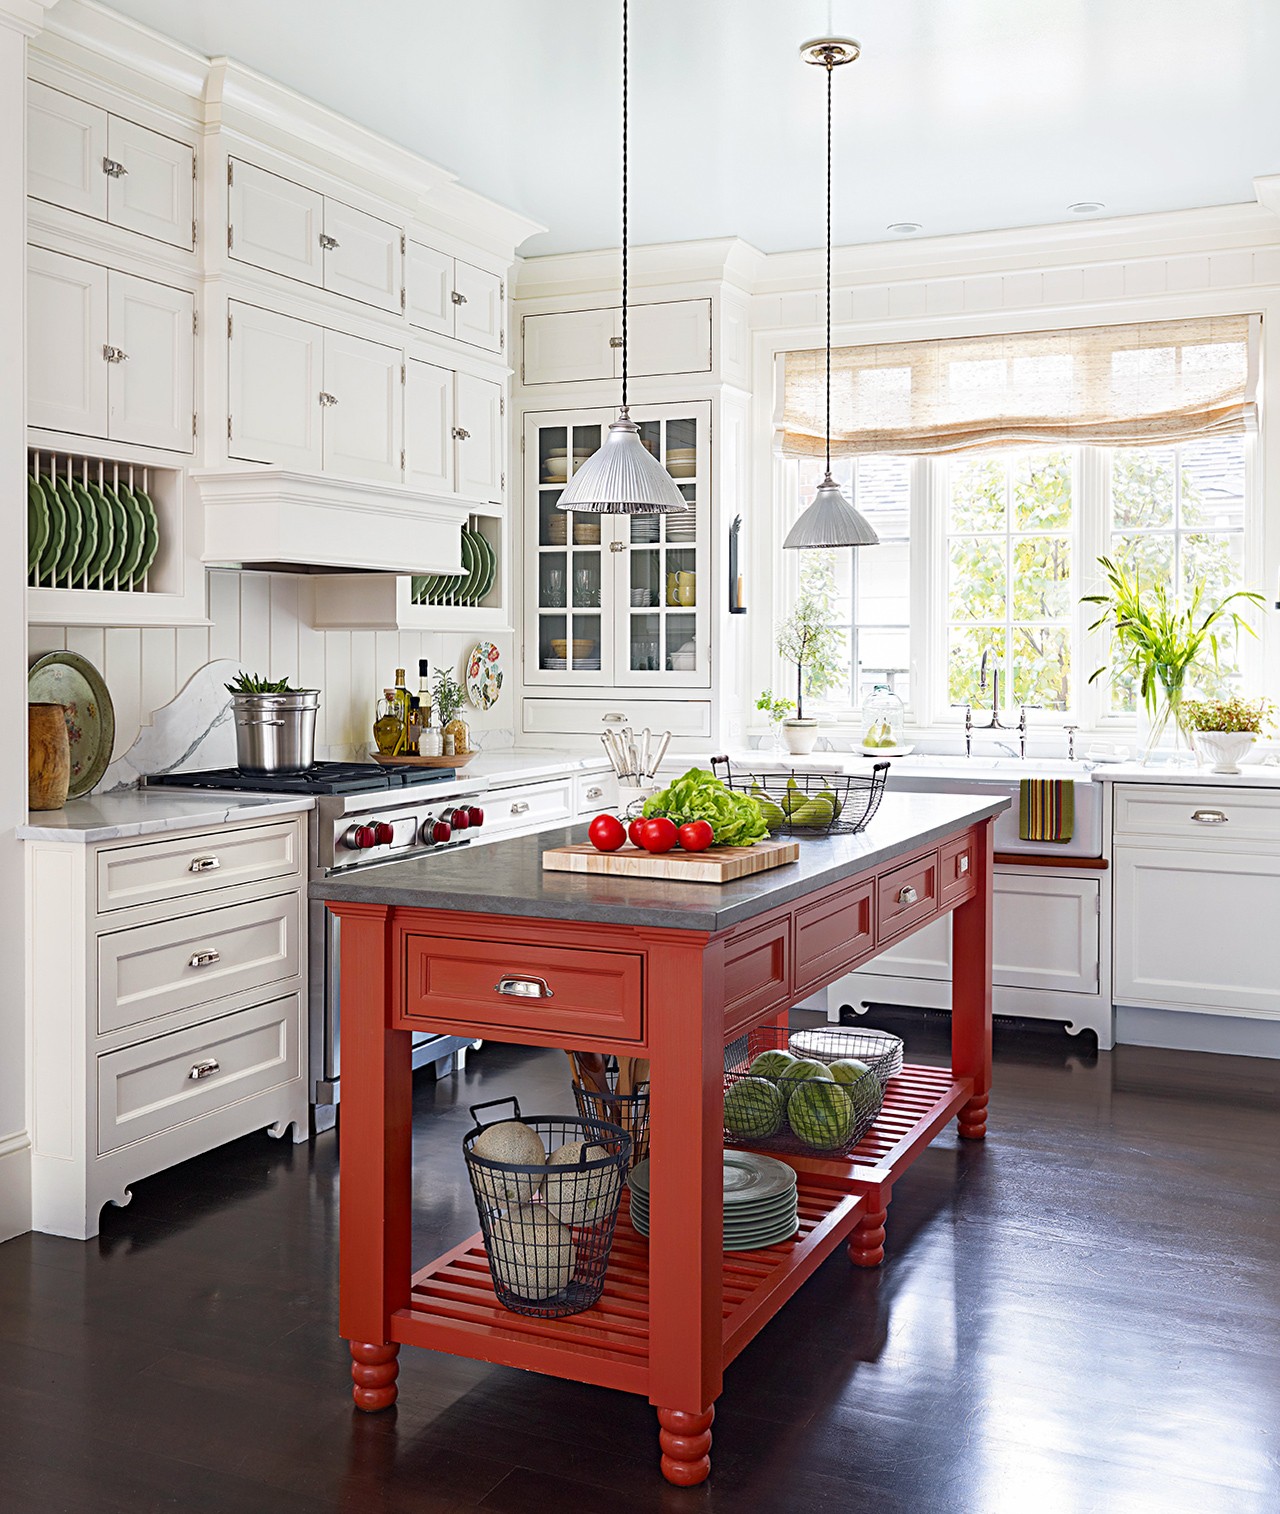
{"x": 808, "y": 803}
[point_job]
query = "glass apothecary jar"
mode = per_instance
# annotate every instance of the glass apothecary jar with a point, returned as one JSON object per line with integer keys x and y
{"x": 883, "y": 720}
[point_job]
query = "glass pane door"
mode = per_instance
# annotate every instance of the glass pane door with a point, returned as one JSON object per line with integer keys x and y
{"x": 569, "y": 573}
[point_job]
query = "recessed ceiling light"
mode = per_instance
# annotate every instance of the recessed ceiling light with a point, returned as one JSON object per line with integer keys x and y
{"x": 903, "y": 228}
{"x": 1086, "y": 207}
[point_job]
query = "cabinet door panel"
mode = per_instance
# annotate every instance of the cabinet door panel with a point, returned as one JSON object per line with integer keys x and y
{"x": 365, "y": 263}
{"x": 479, "y": 455}
{"x": 429, "y": 278}
{"x": 150, "y": 391}
{"x": 362, "y": 430}
{"x": 66, "y": 333}
{"x": 428, "y": 428}
{"x": 156, "y": 194}
{"x": 479, "y": 317}
{"x": 275, "y": 223}
{"x": 66, "y": 143}
{"x": 569, "y": 345}
{"x": 671, "y": 337}
{"x": 275, "y": 369}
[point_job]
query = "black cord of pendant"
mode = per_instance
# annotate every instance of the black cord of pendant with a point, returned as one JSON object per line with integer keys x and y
{"x": 830, "y": 71}
{"x": 624, "y": 202}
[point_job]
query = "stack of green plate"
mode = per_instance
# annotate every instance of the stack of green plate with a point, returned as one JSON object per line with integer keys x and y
{"x": 479, "y": 565}
{"x": 760, "y": 1201}
{"x": 86, "y": 535}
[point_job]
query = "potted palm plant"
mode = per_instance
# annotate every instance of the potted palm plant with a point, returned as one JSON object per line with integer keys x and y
{"x": 809, "y": 640}
{"x": 1160, "y": 645}
{"x": 1225, "y": 729}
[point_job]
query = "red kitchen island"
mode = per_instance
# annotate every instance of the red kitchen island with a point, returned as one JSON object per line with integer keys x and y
{"x": 668, "y": 970}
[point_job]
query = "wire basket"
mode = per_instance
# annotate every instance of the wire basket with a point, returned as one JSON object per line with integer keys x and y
{"x": 802, "y": 803}
{"x": 629, "y": 1109}
{"x": 770, "y": 1104}
{"x": 547, "y": 1224}
{"x": 881, "y": 1051}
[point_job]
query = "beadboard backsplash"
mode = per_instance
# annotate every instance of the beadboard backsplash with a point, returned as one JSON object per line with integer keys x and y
{"x": 263, "y": 621}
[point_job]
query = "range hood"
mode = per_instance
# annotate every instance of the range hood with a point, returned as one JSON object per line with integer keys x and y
{"x": 268, "y": 517}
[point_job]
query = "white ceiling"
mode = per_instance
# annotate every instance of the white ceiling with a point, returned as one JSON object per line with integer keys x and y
{"x": 963, "y": 115}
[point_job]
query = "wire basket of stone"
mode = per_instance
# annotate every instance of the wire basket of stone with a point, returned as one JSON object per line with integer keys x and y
{"x": 547, "y": 1189}
{"x": 878, "y": 1050}
{"x": 615, "y": 1090}
{"x": 808, "y": 803}
{"x": 778, "y": 1101}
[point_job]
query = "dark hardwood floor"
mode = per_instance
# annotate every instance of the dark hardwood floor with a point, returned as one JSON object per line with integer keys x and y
{"x": 1081, "y": 1316}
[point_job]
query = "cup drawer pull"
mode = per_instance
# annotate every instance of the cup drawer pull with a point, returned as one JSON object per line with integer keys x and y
{"x": 525, "y": 988}
{"x": 205, "y": 1069}
{"x": 520, "y": 807}
{"x": 204, "y": 865}
{"x": 908, "y": 895}
{"x": 962, "y": 863}
{"x": 1208, "y": 817}
{"x": 204, "y": 958}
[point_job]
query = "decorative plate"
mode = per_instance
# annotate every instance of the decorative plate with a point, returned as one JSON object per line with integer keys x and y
{"x": 107, "y": 533}
{"x": 150, "y": 537}
{"x": 484, "y": 675}
{"x": 71, "y": 542}
{"x": 88, "y": 532}
{"x": 119, "y": 531}
{"x": 72, "y": 681}
{"x": 489, "y": 566}
{"x": 37, "y": 526}
{"x": 57, "y": 531}
{"x": 135, "y": 534}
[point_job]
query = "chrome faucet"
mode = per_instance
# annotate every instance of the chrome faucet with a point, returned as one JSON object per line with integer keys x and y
{"x": 995, "y": 723}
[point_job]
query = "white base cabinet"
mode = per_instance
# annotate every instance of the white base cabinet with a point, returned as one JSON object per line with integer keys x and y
{"x": 168, "y": 1003}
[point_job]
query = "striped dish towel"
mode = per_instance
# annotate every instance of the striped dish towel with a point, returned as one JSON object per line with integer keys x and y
{"x": 1046, "y": 809}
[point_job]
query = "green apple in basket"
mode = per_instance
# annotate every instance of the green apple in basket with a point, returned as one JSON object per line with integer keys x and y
{"x": 821, "y": 1114}
{"x": 753, "y": 1108}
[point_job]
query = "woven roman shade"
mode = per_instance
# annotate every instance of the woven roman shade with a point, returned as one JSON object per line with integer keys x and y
{"x": 1160, "y": 381}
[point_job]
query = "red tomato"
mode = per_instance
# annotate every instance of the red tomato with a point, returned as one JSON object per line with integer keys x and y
{"x": 607, "y": 833}
{"x": 633, "y": 831}
{"x": 696, "y": 836}
{"x": 658, "y": 834}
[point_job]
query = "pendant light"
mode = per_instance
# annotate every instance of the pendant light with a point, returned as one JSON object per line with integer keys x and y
{"x": 830, "y": 521}
{"x": 623, "y": 477}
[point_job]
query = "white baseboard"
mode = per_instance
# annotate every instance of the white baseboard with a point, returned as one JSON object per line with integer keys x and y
{"x": 15, "y": 1185}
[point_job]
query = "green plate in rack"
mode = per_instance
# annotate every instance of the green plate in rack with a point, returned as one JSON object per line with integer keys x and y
{"x": 37, "y": 526}
{"x": 82, "y": 568}
{"x": 111, "y": 520}
{"x": 49, "y": 558}
{"x": 489, "y": 566}
{"x": 430, "y": 587}
{"x": 135, "y": 538}
{"x": 475, "y": 568}
{"x": 417, "y": 588}
{"x": 151, "y": 536}
{"x": 71, "y": 541}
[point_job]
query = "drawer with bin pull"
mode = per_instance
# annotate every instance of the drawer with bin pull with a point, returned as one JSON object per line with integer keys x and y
{"x": 146, "y": 872}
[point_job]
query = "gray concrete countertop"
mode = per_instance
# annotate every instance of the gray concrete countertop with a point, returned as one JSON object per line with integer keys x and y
{"x": 149, "y": 812}
{"x": 507, "y": 877}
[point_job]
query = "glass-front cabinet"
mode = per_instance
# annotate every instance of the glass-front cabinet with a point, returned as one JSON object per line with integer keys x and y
{"x": 620, "y": 601}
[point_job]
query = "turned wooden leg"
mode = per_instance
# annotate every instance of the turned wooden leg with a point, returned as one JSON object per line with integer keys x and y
{"x": 686, "y": 1445}
{"x": 973, "y": 1118}
{"x": 374, "y": 1370}
{"x": 866, "y": 1244}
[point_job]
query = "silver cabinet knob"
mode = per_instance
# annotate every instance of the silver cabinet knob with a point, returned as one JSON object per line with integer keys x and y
{"x": 204, "y": 958}
{"x": 907, "y": 895}
{"x": 328, "y": 242}
{"x": 520, "y": 807}
{"x": 525, "y": 988}
{"x": 1208, "y": 817}
{"x": 327, "y": 399}
{"x": 204, "y": 865}
{"x": 113, "y": 169}
{"x": 205, "y": 1069}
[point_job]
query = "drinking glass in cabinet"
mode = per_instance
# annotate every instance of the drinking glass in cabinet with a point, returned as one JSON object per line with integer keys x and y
{"x": 682, "y": 653}
{"x": 645, "y": 643}
{"x": 551, "y": 634}
{"x": 553, "y": 524}
{"x": 551, "y": 581}
{"x": 586, "y": 579}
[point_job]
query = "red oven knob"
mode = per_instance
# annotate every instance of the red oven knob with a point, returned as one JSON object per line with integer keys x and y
{"x": 383, "y": 834}
{"x": 475, "y": 815}
{"x": 359, "y": 838}
{"x": 460, "y": 820}
{"x": 441, "y": 831}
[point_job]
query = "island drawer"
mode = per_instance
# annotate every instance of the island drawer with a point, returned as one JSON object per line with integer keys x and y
{"x": 1212, "y": 817}
{"x": 833, "y": 935}
{"x": 906, "y": 896}
{"x": 194, "y": 865}
{"x": 155, "y": 970}
{"x": 757, "y": 976}
{"x": 955, "y": 866}
{"x": 162, "y": 1083}
{"x": 542, "y": 991}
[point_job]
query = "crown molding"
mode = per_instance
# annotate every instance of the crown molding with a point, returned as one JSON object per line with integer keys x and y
{"x": 26, "y": 17}
{"x": 721, "y": 260}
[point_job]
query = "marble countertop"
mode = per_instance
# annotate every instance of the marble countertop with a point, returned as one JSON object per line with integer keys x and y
{"x": 1253, "y": 775}
{"x": 507, "y": 878}
{"x": 511, "y": 765}
{"x": 149, "y": 812}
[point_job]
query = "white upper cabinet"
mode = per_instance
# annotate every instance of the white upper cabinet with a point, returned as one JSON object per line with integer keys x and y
{"x": 428, "y": 428}
{"x": 275, "y": 223}
{"x": 66, "y": 333}
{"x": 363, "y": 408}
{"x": 478, "y": 430}
{"x": 456, "y": 299}
{"x": 429, "y": 277}
{"x": 362, "y": 256}
{"x": 152, "y": 183}
{"x": 151, "y": 378}
{"x": 574, "y": 346}
{"x": 66, "y": 146}
{"x": 276, "y": 377}
{"x": 87, "y": 160}
{"x": 108, "y": 354}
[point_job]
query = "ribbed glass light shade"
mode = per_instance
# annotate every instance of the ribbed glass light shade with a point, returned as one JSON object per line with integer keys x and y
{"x": 831, "y": 521}
{"x": 622, "y": 478}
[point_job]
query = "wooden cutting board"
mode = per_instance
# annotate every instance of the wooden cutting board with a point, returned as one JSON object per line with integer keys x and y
{"x": 718, "y": 864}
